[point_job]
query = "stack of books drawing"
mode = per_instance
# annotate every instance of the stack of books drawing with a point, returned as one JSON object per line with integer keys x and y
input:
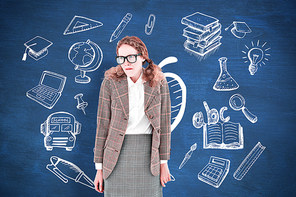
{"x": 202, "y": 33}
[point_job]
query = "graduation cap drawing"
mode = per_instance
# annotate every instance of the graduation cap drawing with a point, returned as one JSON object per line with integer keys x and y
{"x": 240, "y": 29}
{"x": 80, "y": 23}
{"x": 37, "y": 47}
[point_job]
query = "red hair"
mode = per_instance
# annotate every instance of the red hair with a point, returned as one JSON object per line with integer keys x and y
{"x": 151, "y": 73}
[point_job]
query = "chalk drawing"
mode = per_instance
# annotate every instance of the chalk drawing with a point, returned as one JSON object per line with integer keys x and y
{"x": 38, "y": 48}
{"x": 202, "y": 34}
{"x": 81, "y": 104}
{"x": 256, "y": 55}
{"x": 80, "y": 24}
{"x": 239, "y": 29}
{"x": 212, "y": 115}
{"x": 224, "y": 82}
{"x": 227, "y": 135}
{"x": 188, "y": 155}
{"x": 65, "y": 170}
{"x": 126, "y": 19}
{"x": 87, "y": 57}
{"x": 60, "y": 130}
{"x": 215, "y": 171}
{"x": 222, "y": 114}
{"x": 248, "y": 162}
{"x": 150, "y": 24}
{"x": 49, "y": 89}
{"x": 237, "y": 102}
{"x": 178, "y": 93}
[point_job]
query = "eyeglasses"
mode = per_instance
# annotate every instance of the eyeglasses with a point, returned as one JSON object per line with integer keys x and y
{"x": 129, "y": 58}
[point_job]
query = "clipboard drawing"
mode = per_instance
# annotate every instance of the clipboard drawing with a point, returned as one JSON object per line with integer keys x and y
{"x": 65, "y": 170}
{"x": 80, "y": 24}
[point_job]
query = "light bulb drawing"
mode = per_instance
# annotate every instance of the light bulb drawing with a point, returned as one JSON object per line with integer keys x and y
{"x": 256, "y": 55}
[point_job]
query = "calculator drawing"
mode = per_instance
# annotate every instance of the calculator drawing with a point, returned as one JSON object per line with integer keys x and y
{"x": 49, "y": 89}
{"x": 215, "y": 171}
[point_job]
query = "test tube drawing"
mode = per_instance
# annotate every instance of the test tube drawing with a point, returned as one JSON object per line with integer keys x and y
{"x": 126, "y": 19}
{"x": 248, "y": 162}
{"x": 188, "y": 155}
{"x": 150, "y": 24}
{"x": 81, "y": 103}
{"x": 65, "y": 170}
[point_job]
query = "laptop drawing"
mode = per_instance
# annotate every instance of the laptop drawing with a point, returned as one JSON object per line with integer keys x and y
{"x": 49, "y": 89}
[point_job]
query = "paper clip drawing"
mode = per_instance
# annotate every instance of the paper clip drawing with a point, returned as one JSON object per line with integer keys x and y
{"x": 248, "y": 162}
{"x": 256, "y": 55}
{"x": 202, "y": 33}
{"x": 215, "y": 171}
{"x": 87, "y": 57}
{"x": 224, "y": 82}
{"x": 38, "y": 48}
{"x": 227, "y": 135}
{"x": 60, "y": 130}
{"x": 150, "y": 24}
{"x": 126, "y": 19}
{"x": 49, "y": 89}
{"x": 81, "y": 103}
{"x": 178, "y": 93}
{"x": 80, "y": 24}
{"x": 237, "y": 102}
{"x": 65, "y": 170}
{"x": 239, "y": 29}
{"x": 188, "y": 155}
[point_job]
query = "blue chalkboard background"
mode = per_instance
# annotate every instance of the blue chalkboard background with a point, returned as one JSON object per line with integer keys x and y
{"x": 269, "y": 94}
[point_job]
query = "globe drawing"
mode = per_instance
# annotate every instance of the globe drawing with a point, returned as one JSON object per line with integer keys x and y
{"x": 81, "y": 54}
{"x": 86, "y": 57}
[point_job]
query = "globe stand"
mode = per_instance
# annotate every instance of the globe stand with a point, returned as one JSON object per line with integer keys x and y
{"x": 82, "y": 78}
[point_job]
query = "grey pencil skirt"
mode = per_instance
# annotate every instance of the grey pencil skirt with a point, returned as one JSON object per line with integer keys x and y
{"x": 131, "y": 175}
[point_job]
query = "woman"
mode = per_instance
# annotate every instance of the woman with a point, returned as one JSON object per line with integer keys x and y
{"x": 133, "y": 125}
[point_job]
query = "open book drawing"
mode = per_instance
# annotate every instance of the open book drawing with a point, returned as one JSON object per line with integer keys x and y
{"x": 227, "y": 135}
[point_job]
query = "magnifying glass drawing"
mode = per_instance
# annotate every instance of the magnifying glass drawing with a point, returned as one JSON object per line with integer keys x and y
{"x": 237, "y": 102}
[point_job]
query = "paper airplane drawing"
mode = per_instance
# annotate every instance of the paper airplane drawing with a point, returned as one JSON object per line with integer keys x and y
{"x": 80, "y": 23}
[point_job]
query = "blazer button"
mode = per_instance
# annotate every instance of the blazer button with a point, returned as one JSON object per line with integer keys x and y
{"x": 125, "y": 118}
{"x": 151, "y": 116}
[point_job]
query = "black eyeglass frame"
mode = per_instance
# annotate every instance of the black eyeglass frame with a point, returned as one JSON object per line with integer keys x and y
{"x": 125, "y": 58}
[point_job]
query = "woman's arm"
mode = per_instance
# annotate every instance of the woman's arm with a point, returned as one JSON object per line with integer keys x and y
{"x": 165, "y": 135}
{"x": 103, "y": 121}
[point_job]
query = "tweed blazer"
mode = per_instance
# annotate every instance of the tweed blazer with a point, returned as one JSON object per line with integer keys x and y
{"x": 112, "y": 120}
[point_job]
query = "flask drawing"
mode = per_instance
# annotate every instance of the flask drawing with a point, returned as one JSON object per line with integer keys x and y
{"x": 224, "y": 82}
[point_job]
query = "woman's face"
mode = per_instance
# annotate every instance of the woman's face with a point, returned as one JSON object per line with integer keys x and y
{"x": 132, "y": 70}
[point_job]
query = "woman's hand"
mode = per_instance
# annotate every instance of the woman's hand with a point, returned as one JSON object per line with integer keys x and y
{"x": 165, "y": 175}
{"x": 99, "y": 181}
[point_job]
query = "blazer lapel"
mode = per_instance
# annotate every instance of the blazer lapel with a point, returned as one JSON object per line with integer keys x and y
{"x": 149, "y": 94}
{"x": 121, "y": 91}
